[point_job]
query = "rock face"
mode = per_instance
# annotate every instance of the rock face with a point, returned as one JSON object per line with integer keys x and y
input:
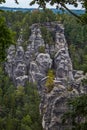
{"x": 63, "y": 63}
{"x": 54, "y": 109}
{"x": 31, "y": 65}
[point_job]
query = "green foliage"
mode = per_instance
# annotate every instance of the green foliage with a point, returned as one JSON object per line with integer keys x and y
{"x": 50, "y": 81}
{"x": 19, "y": 108}
{"x": 84, "y": 81}
{"x": 76, "y": 116}
{"x": 76, "y": 36}
{"x": 62, "y": 5}
{"x": 48, "y": 16}
{"x": 41, "y": 49}
{"x": 6, "y": 38}
{"x": 47, "y": 36}
{"x": 58, "y": 2}
{"x": 23, "y": 20}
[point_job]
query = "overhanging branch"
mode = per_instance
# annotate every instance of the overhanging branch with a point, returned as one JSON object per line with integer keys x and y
{"x": 64, "y": 6}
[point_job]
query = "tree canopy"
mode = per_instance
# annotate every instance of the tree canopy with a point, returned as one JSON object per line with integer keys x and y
{"x": 76, "y": 116}
{"x": 60, "y": 2}
{"x": 6, "y": 38}
{"x": 62, "y": 5}
{"x": 52, "y": 2}
{"x": 42, "y": 3}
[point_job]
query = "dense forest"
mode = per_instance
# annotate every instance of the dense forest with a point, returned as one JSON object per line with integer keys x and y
{"x": 19, "y": 108}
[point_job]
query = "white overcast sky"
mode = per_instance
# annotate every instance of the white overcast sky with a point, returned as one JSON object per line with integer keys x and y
{"x": 25, "y": 4}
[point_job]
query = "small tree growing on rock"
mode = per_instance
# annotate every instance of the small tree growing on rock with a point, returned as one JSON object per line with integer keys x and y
{"x": 50, "y": 81}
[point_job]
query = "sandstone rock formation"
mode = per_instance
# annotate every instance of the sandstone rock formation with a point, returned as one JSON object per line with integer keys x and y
{"x": 31, "y": 65}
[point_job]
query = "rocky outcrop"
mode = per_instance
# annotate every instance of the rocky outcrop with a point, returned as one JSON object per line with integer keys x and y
{"x": 55, "y": 107}
{"x": 31, "y": 65}
{"x": 63, "y": 65}
{"x": 38, "y": 70}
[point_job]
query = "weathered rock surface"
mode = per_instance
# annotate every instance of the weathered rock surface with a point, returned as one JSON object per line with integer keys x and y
{"x": 55, "y": 108}
{"x": 31, "y": 65}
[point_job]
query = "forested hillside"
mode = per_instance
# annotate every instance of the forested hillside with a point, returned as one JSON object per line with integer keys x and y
{"x": 19, "y": 107}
